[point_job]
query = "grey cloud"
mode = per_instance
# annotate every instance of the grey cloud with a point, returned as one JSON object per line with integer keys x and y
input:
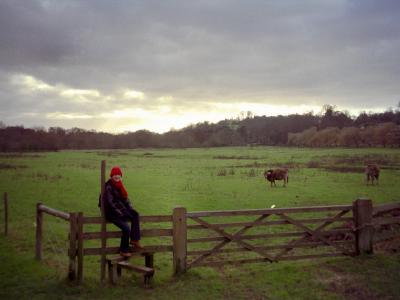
{"x": 31, "y": 36}
{"x": 205, "y": 51}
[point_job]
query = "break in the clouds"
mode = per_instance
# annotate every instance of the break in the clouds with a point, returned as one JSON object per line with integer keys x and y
{"x": 126, "y": 65}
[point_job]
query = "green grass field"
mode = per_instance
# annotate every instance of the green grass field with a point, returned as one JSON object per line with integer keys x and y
{"x": 199, "y": 179}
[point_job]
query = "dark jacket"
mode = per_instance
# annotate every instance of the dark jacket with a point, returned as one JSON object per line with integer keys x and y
{"x": 114, "y": 204}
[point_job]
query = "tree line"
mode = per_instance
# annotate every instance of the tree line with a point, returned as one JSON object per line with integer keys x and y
{"x": 331, "y": 127}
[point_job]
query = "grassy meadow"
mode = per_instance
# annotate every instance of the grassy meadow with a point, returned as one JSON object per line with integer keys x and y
{"x": 157, "y": 180}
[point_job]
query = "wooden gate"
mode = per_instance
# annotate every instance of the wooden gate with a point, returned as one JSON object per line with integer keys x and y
{"x": 332, "y": 234}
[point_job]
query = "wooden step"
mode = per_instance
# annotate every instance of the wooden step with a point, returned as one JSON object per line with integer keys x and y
{"x": 134, "y": 254}
{"x": 140, "y": 269}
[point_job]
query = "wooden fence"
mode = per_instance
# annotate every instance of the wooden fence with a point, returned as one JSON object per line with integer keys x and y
{"x": 342, "y": 230}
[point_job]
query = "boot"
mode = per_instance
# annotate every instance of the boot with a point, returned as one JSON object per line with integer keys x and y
{"x": 136, "y": 245}
{"x": 125, "y": 254}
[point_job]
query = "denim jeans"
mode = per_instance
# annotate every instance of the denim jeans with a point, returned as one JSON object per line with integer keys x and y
{"x": 132, "y": 232}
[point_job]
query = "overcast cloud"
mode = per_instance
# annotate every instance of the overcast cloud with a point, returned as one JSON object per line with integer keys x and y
{"x": 127, "y": 65}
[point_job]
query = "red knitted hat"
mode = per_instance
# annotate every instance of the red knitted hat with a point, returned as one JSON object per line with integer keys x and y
{"x": 115, "y": 171}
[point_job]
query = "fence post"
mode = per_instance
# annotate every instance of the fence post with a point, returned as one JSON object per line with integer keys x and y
{"x": 103, "y": 223}
{"x": 5, "y": 213}
{"x": 73, "y": 226}
{"x": 179, "y": 239}
{"x": 39, "y": 232}
{"x": 80, "y": 246}
{"x": 362, "y": 210}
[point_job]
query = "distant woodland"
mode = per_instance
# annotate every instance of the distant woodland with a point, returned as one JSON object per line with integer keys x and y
{"x": 330, "y": 128}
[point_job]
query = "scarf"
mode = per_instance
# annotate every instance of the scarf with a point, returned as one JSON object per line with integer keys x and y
{"x": 120, "y": 187}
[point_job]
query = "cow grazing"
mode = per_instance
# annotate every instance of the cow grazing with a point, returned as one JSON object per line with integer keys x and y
{"x": 277, "y": 174}
{"x": 372, "y": 173}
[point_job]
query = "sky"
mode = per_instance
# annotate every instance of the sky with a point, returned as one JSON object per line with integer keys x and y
{"x": 120, "y": 66}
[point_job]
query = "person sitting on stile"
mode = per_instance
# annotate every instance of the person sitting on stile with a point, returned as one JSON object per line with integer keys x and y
{"x": 119, "y": 211}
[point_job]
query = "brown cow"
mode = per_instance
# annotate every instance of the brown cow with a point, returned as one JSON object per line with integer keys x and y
{"x": 372, "y": 173}
{"x": 277, "y": 174}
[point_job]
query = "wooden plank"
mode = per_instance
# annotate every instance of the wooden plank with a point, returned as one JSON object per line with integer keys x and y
{"x": 103, "y": 222}
{"x": 265, "y": 235}
{"x": 143, "y": 219}
{"x": 39, "y": 232}
{"x": 179, "y": 240}
{"x": 268, "y": 211}
{"x": 115, "y": 258}
{"x": 270, "y": 223}
{"x": 255, "y": 260}
{"x": 140, "y": 269}
{"x": 274, "y": 247}
{"x": 72, "y": 252}
{"x": 385, "y": 221}
{"x": 385, "y": 207}
{"x": 115, "y": 250}
{"x": 80, "y": 246}
{"x": 54, "y": 212}
{"x": 363, "y": 221}
{"x": 156, "y": 232}
{"x": 5, "y": 200}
